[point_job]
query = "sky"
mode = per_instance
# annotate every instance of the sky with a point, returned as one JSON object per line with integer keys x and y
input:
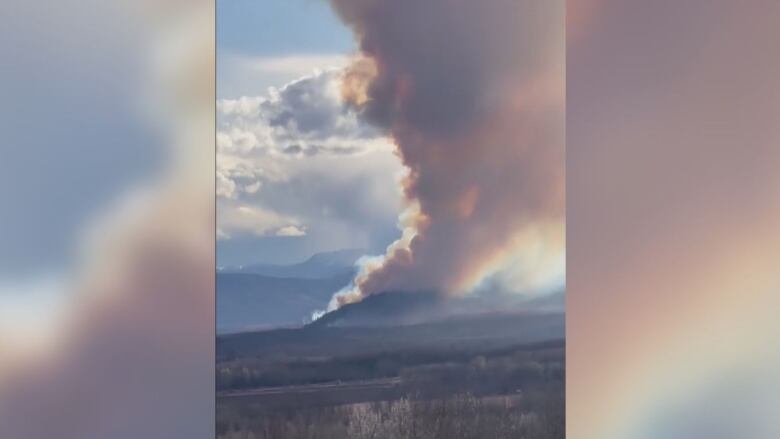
{"x": 413, "y": 175}
{"x": 269, "y": 43}
{"x": 297, "y": 173}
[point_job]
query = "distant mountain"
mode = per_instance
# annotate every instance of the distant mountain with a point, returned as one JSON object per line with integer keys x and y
{"x": 318, "y": 266}
{"x": 248, "y": 301}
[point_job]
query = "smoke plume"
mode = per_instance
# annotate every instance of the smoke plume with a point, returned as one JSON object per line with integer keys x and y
{"x": 472, "y": 94}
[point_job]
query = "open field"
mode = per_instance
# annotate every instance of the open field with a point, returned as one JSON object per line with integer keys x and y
{"x": 491, "y": 376}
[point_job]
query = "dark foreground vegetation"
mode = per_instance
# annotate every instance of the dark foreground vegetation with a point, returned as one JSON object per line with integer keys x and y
{"x": 456, "y": 417}
{"x": 497, "y": 376}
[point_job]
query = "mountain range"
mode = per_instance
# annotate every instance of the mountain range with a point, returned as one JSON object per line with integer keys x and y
{"x": 263, "y": 296}
{"x": 318, "y": 266}
{"x": 267, "y": 296}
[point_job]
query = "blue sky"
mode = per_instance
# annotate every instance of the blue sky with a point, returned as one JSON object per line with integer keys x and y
{"x": 251, "y": 33}
{"x": 279, "y": 27}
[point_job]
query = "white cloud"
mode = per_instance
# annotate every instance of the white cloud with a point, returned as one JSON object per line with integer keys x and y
{"x": 257, "y": 221}
{"x": 252, "y": 188}
{"x": 290, "y": 231}
{"x": 225, "y": 186}
{"x": 305, "y": 162}
{"x": 306, "y": 116}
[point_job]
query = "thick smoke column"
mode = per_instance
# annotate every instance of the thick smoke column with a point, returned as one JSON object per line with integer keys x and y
{"x": 472, "y": 93}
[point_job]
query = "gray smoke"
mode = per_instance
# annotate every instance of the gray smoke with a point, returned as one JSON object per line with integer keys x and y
{"x": 472, "y": 93}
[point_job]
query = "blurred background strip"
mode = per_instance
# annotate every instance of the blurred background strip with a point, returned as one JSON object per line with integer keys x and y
{"x": 673, "y": 213}
{"x": 107, "y": 219}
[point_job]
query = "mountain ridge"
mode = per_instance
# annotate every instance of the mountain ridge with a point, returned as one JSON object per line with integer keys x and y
{"x": 405, "y": 308}
{"x": 317, "y": 266}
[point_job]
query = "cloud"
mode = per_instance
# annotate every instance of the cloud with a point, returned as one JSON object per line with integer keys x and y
{"x": 290, "y": 231}
{"x": 258, "y": 221}
{"x": 241, "y": 75}
{"x": 252, "y": 188}
{"x": 306, "y": 114}
{"x": 299, "y": 161}
{"x": 225, "y": 186}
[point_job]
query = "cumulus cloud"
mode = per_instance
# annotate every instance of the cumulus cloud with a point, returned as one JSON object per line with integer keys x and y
{"x": 252, "y": 188}
{"x": 300, "y": 161}
{"x": 258, "y": 221}
{"x": 307, "y": 114}
{"x": 290, "y": 231}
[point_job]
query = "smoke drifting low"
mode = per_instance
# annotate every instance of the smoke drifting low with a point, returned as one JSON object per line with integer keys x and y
{"x": 472, "y": 93}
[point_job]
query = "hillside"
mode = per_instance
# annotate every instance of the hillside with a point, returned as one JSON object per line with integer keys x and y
{"x": 405, "y": 308}
{"x": 478, "y": 331}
